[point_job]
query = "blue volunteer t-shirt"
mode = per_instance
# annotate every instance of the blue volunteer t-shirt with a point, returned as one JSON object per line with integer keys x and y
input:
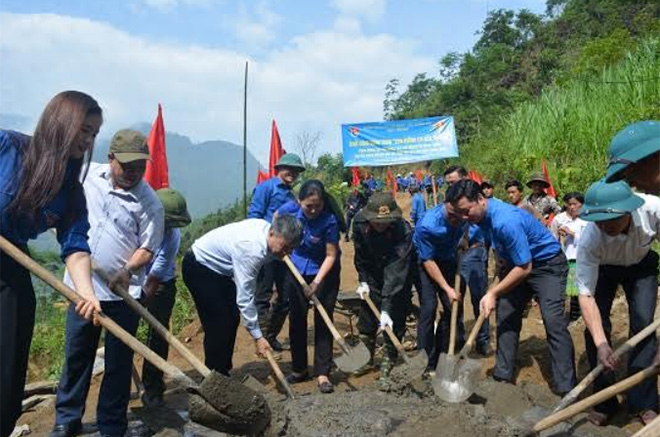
{"x": 267, "y": 197}
{"x": 516, "y": 235}
{"x": 435, "y": 238}
{"x": 318, "y": 232}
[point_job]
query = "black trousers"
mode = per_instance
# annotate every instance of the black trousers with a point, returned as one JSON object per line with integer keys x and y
{"x": 298, "y": 306}
{"x": 17, "y": 307}
{"x": 640, "y": 284}
{"x": 215, "y": 299}
{"x": 161, "y": 308}
{"x": 548, "y": 280}
{"x": 272, "y": 273}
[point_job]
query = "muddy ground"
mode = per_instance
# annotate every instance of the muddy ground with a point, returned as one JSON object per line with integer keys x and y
{"x": 358, "y": 408}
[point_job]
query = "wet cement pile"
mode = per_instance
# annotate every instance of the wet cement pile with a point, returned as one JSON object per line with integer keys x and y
{"x": 495, "y": 409}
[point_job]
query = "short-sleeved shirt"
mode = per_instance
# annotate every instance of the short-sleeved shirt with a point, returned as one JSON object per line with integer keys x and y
{"x": 267, "y": 197}
{"x": 596, "y": 248}
{"x": 122, "y": 221}
{"x": 163, "y": 266}
{"x": 66, "y": 211}
{"x": 435, "y": 238}
{"x": 545, "y": 204}
{"x": 576, "y": 226}
{"x": 317, "y": 233}
{"x": 516, "y": 235}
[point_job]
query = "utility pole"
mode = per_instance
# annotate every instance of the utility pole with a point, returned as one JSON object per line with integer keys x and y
{"x": 245, "y": 143}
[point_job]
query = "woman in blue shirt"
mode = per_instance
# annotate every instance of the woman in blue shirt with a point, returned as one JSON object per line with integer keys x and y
{"x": 317, "y": 259}
{"x": 40, "y": 188}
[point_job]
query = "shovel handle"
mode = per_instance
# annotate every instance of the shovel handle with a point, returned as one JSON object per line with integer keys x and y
{"x": 105, "y": 321}
{"x": 597, "y": 398}
{"x": 154, "y": 323}
{"x": 473, "y": 335}
{"x": 388, "y": 330}
{"x": 591, "y": 376}
{"x": 650, "y": 430}
{"x": 279, "y": 374}
{"x": 317, "y": 304}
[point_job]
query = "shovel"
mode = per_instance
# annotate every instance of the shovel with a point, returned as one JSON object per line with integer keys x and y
{"x": 597, "y": 398}
{"x": 353, "y": 357}
{"x": 248, "y": 414}
{"x": 456, "y": 384}
{"x": 416, "y": 364}
{"x": 446, "y": 368}
{"x": 171, "y": 339}
{"x": 591, "y": 377}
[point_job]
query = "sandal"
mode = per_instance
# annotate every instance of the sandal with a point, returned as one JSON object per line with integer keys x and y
{"x": 647, "y": 416}
{"x": 295, "y": 378}
{"x": 597, "y": 418}
{"x": 326, "y": 387}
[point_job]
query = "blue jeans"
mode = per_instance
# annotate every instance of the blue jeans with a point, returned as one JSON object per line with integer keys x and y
{"x": 640, "y": 283}
{"x": 82, "y": 339}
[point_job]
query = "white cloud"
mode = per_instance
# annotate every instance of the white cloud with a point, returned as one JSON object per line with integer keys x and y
{"x": 314, "y": 83}
{"x": 168, "y": 5}
{"x": 367, "y": 9}
{"x": 257, "y": 27}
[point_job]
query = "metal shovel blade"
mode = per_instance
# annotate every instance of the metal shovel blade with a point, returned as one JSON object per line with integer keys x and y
{"x": 455, "y": 378}
{"x": 353, "y": 358}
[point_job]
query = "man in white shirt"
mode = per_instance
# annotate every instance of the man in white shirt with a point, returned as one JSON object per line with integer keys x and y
{"x": 221, "y": 269}
{"x": 126, "y": 228}
{"x": 616, "y": 250}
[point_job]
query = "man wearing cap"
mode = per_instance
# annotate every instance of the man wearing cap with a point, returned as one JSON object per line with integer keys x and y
{"x": 267, "y": 198}
{"x": 615, "y": 249}
{"x": 126, "y": 220}
{"x": 542, "y": 202}
{"x": 536, "y": 263}
{"x": 635, "y": 156}
{"x": 487, "y": 188}
{"x": 436, "y": 239}
{"x": 383, "y": 249}
{"x": 160, "y": 288}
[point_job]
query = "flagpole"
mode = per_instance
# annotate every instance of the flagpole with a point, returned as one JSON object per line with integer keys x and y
{"x": 245, "y": 143}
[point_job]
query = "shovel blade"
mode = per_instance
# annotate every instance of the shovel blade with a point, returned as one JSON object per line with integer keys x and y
{"x": 455, "y": 379}
{"x": 353, "y": 358}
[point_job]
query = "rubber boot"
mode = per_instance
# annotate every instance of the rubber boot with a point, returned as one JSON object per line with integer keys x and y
{"x": 370, "y": 342}
{"x": 390, "y": 357}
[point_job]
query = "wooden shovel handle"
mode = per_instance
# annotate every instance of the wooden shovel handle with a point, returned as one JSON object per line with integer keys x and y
{"x": 597, "y": 398}
{"x": 317, "y": 304}
{"x": 454, "y": 313}
{"x": 620, "y": 351}
{"x": 388, "y": 330}
{"x": 154, "y": 323}
{"x": 650, "y": 430}
{"x": 105, "y": 321}
{"x": 473, "y": 335}
{"x": 279, "y": 374}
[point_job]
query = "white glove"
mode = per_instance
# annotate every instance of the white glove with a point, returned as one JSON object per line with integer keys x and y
{"x": 385, "y": 320}
{"x": 363, "y": 290}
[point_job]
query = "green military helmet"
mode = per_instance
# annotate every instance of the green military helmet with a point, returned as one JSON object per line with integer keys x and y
{"x": 175, "y": 208}
{"x": 631, "y": 144}
{"x": 608, "y": 201}
{"x": 382, "y": 208}
{"x": 290, "y": 160}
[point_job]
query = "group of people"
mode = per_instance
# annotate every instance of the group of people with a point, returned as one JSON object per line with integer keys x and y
{"x": 111, "y": 226}
{"x": 108, "y": 219}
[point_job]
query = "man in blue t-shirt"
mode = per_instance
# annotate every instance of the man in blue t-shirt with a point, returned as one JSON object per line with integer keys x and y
{"x": 536, "y": 264}
{"x": 266, "y": 199}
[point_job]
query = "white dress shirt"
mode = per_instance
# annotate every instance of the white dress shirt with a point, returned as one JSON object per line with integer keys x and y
{"x": 120, "y": 223}
{"x": 575, "y": 225}
{"x": 237, "y": 250}
{"x": 596, "y": 248}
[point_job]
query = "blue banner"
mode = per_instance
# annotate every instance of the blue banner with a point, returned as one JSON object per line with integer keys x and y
{"x": 399, "y": 141}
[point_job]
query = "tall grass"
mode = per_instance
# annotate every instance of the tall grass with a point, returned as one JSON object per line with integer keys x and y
{"x": 571, "y": 126}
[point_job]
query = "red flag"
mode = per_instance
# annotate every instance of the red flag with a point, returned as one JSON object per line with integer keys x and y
{"x": 475, "y": 176}
{"x": 388, "y": 178}
{"x": 550, "y": 190}
{"x": 262, "y": 176}
{"x": 276, "y": 150}
{"x": 419, "y": 175}
{"x": 156, "y": 173}
{"x": 356, "y": 176}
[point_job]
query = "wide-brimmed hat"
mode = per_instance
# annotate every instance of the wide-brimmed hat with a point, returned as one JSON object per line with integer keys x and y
{"x": 382, "y": 208}
{"x": 538, "y": 177}
{"x": 175, "y": 208}
{"x": 631, "y": 144}
{"x": 129, "y": 145}
{"x": 607, "y": 201}
{"x": 290, "y": 160}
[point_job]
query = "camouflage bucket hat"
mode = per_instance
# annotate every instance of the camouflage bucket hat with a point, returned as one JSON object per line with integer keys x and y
{"x": 175, "y": 208}
{"x": 537, "y": 177}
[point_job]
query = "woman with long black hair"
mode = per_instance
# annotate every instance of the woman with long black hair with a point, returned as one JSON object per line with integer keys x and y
{"x": 40, "y": 188}
{"x": 317, "y": 259}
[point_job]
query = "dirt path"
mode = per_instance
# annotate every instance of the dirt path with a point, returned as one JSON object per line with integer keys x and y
{"x": 357, "y": 408}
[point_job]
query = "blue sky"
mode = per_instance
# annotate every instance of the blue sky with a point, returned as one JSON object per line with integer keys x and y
{"x": 314, "y": 64}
